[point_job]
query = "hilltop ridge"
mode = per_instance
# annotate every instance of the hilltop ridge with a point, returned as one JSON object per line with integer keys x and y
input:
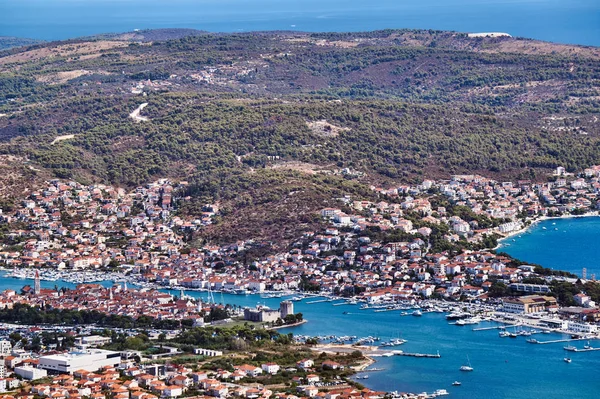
{"x": 274, "y": 124}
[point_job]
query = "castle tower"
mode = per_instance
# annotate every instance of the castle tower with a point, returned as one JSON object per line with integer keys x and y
{"x": 36, "y": 284}
{"x": 286, "y": 308}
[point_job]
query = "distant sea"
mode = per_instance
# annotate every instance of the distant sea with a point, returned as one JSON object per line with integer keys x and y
{"x": 563, "y": 21}
{"x": 561, "y": 244}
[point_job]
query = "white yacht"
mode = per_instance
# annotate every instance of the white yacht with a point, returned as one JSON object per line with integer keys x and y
{"x": 466, "y": 367}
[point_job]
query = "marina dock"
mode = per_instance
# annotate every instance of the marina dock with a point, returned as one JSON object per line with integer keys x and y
{"x": 318, "y": 301}
{"x": 428, "y": 355}
{"x": 490, "y": 328}
{"x": 583, "y": 350}
{"x": 556, "y": 341}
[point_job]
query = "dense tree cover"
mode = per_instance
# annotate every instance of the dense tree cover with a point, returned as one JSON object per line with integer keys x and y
{"x": 221, "y": 139}
{"x": 410, "y": 105}
{"x": 234, "y": 338}
{"x": 25, "y": 314}
{"x": 289, "y": 319}
{"x": 545, "y": 271}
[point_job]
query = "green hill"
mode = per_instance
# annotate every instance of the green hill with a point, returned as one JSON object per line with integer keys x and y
{"x": 275, "y": 125}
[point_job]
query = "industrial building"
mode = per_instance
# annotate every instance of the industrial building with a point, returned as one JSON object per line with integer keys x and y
{"x": 30, "y": 373}
{"x": 90, "y": 360}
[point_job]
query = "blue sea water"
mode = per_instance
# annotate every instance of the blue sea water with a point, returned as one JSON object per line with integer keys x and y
{"x": 561, "y": 244}
{"x": 504, "y": 368}
{"x": 564, "y": 21}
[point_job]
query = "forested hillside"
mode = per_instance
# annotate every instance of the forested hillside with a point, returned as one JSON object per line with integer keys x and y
{"x": 276, "y": 125}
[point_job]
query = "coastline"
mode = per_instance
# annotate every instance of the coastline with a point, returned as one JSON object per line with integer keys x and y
{"x": 539, "y": 220}
{"x": 287, "y": 325}
{"x": 336, "y": 348}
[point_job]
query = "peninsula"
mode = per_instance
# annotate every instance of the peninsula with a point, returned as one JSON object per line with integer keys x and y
{"x": 369, "y": 175}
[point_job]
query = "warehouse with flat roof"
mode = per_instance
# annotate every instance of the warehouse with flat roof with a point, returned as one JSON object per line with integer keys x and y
{"x": 90, "y": 360}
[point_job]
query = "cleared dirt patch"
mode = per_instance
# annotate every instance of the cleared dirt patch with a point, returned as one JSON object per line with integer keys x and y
{"x": 303, "y": 167}
{"x": 326, "y": 129}
{"x": 135, "y": 115}
{"x": 65, "y": 50}
{"x": 536, "y": 47}
{"x": 63, "y": 77}
{"x": 61, "y": 138}
{"x": 337, "y": 43}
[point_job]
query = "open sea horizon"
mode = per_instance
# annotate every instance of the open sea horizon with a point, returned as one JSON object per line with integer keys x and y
{"x": 561, "y": 21}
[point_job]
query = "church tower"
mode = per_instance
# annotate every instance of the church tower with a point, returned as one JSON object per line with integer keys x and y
{"x": 36, "y": 283}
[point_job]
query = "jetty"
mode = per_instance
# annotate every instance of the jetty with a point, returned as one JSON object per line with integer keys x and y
{"x": 428, "y": 355}
{"x": 318, "y": 301}
{"x": 489, "y": 328}
{"x": 342, "y": 303}
{"x": 573, "y": 349}
{"x": 556, "y": 341}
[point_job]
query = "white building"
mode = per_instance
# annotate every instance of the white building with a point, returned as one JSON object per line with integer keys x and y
{"x": 532, "y": 288}
{"x": 207, "y": 352}
{"x": 510, "y": 226}
{"x": 5, "y": 348}
{"x": 30, "y": 373}
{"x": 8, "y": 384}
{"x": 91, "y": 360}
{"x": 461, "y": 227}
{"x": 582, "y": 327}
{"x": 556, "y": 323}
{"x": 270, "y": 368}
{"x": 343, "y": 219}
{"x": 172, "y": 391}
{"x": 93, "y": 341}
{"x": 257, "y": 286}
